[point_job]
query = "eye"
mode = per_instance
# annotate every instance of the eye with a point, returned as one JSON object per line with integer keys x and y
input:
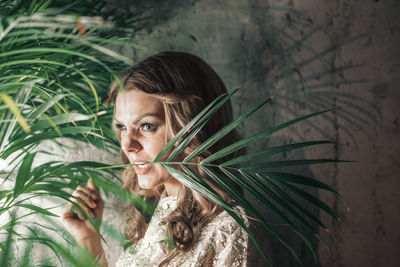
{"x": 120, "y": 126}
{"x": 148, "y": 127}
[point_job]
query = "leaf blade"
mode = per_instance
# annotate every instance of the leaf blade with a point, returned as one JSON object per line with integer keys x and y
{"x": 226, "y": 129}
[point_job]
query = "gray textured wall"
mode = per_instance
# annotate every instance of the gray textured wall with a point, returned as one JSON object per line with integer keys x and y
{"x": 353, "y": 45}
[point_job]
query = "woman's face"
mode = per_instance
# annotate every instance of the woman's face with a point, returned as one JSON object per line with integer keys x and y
{"x": 140, "y": 119}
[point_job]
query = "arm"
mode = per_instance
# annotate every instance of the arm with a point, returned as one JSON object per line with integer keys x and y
{"x": 101, "y": 259}
{"x": 95, "y": 248}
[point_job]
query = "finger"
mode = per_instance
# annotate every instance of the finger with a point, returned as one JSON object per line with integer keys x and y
{"x": 87, "y": 197}
{"x": 86, "y": 208}
{"x": 82, "y": 196}
{"x": 89, "y": 192}
{"x": 92, "y": 193}
{"x": 91, "y": 185}
{"x": 79, "y": 212}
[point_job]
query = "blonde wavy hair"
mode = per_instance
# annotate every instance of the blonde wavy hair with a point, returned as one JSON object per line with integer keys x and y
{"x": 186, "y": 85}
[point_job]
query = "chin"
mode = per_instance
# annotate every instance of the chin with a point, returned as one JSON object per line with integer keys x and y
{"x": 144, "y": 183}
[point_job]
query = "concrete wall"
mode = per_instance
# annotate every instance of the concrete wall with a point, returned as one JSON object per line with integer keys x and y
{"x": 353, "y": 47}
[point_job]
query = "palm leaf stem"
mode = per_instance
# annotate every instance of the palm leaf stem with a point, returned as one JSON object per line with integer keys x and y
{"x": 251, "y": 139}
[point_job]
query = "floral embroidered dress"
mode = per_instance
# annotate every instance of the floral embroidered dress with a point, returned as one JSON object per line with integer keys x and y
{"x": 222, "y": 242}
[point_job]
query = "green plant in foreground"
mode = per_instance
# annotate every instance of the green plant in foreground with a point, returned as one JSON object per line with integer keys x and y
{"x": 54, "y": 67}
{"x": 53, "y": 73}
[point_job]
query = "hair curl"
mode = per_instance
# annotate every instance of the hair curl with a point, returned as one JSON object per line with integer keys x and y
{"x": 185, "y": 84}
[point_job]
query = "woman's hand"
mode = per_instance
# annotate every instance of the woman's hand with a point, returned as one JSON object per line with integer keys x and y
{"x": 76, "y": 222}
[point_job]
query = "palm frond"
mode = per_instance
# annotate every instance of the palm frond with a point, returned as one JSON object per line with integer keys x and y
{"x": 276, "y": 191}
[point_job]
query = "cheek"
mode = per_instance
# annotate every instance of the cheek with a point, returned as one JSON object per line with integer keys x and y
{"x": 156, "y": 148}
{"x": 157, "y": 143}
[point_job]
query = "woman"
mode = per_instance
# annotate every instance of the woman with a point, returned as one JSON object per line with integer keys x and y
{"x": 161, "y": 95}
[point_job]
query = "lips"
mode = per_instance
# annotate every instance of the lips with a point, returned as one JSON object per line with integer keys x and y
{"x": 140, "y": 169}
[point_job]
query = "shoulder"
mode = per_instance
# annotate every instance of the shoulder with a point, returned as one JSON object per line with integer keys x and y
{"x": 226, "y": 229}
{"x": 222, "y": 242}
{"x": 225, "y": 224}
{"x": 226, "y": 239}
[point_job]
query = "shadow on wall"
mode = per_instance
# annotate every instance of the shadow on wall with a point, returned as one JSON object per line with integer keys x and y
{"x": 283, "y": 53}
{"x": 295, "y": 60}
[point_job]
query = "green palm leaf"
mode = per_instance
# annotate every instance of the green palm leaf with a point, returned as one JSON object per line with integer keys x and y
{"x": 251, "y": 139}
{"x": 52, "y": 81}
{"x": 264, "y": 190}
{"x": 262, "y": 185}
{"x": 225, "y": 130}
{"x": 285, "y": 163}
{"x": 268, "y": 152}
{"x": 199, "y": 121}
{"x": 6, "y": 252}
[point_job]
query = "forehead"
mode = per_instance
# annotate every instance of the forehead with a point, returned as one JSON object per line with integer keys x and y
{"x": 133, "y": 103}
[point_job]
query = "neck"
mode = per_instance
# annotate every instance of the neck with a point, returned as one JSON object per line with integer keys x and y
{"x": 172, "y": 188}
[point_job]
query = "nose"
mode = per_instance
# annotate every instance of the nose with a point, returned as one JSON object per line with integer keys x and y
{"x": 129, "y": 144}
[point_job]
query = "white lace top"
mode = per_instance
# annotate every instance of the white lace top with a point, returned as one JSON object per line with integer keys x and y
{"x": 222, "y": 242}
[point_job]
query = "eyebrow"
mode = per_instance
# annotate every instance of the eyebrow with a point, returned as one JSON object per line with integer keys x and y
{"x": 139, "y": 118}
